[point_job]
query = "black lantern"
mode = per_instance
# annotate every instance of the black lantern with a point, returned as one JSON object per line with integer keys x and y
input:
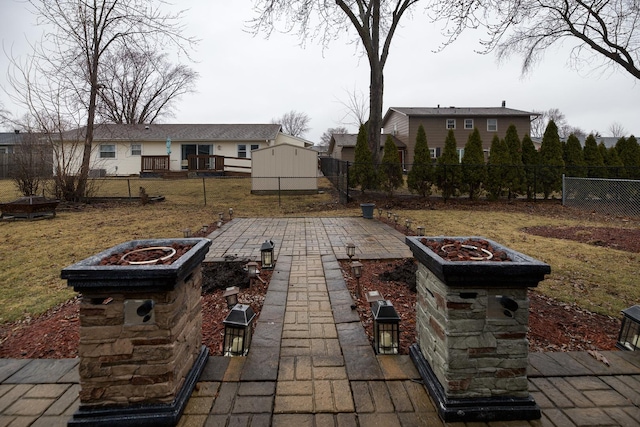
{"x": 420, "y": 230}
{"x": 407, "y": 223}
{"x": 237, "y": 330}
{"x": 351, "y": 250}
{"x": 231, "y": 295}
{"x": 356, "y": 269}
{"x": 629, "y": 338}
{"x": 379, "y": 212}
{"x": 373, "y": 296}
{"x": 266, "y": 254}
{"x": 230, "y": 213}
{"x": 395, "y": 218}
{"x": 220, "y": 216}
{"x": 386, "y": 328}
{"x": 389, "y": 213}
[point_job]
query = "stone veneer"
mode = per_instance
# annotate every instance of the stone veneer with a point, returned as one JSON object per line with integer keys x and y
{"x": 137, "y": 371}
{"x": 471, "y": 326}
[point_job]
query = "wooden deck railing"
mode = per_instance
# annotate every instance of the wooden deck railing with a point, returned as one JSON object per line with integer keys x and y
{"x": 154, "y": 163}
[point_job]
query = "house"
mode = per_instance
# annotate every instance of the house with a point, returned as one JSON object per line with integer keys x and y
{"x": 403, "y": 123}
{"x": 284, "y": 167}
{"x": 342, "y": 146}
{"x": 124, "y": 149}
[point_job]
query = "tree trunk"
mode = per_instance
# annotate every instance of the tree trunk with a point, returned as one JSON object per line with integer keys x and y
{"x": 375, "y": 110}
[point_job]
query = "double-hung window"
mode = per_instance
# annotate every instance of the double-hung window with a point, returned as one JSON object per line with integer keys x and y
{"x": 468, "y": 123}
{"x": 107, "y": 151}
{"x": 451, "y": 123}
{"x": 492, "y": 125}
{"x": 136, "y": 149}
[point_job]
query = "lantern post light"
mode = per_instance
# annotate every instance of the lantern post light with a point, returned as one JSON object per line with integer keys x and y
{"x": 395, "y": 218}
{"x": 230, "y": 213}
{"x": 266, "y": 254}
{"x": 356, "y": 269}
{"x": 407, "y": 223}
{"x": 231, "y": 295}
{"x": 629, "y": 337}
{"x": 237, "y": 330}
{"x": 219, "y": 224}
{"x": 204, "y": 228}
{"x": 186, "y": 232}
{"x": 220, "y": 216}
{"x": 389, "y": 213}
{"x": 420, "y": 229}
{"x": 379, "y": 212}
{"x": 351, "y": 250}
{"x": 373, "y": 296}
{"x": 386, "y": 328}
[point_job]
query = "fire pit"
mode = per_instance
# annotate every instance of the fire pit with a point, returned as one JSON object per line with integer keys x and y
{"x": 140, "y": 349}
{"x": 31, "y": 207}
{"x": 472, "y": 315}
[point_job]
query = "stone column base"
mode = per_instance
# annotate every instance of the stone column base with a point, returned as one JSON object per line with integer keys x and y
{"x": 483, "y": 409}
{"x": 151, "y": 415}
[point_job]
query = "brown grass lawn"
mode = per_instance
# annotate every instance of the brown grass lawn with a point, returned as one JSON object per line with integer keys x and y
{"x": 33, "y": 253}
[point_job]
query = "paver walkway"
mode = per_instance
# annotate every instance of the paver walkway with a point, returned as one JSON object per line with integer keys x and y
{"x": 310, "y": 362}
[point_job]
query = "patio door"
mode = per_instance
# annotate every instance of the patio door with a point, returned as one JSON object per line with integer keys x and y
{"x": 193, "y": 149}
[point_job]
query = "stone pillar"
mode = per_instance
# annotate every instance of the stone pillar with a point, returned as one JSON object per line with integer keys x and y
{"x": 471, "y": 324}
{"x": 140, "y": 336}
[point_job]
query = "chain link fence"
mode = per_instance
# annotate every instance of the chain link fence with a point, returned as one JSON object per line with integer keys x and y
{"x": 620, "y": 197}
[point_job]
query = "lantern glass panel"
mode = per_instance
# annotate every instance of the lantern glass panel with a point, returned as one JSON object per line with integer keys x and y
{"x": 236, "y": 340}
{"x": 629, "y": 338}
{"x": 386, "y": 338}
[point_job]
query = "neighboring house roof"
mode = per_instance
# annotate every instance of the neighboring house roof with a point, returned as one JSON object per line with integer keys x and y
{"x": 185, "y": 132}
{"x": 350, "y": 139}
{"x": 458, "y": 111}
{"x": 10, "y": 138}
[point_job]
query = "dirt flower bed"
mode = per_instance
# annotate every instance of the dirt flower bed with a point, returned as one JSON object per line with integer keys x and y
{"x": 468, "y": 250}
{"x": 149, "y": 255}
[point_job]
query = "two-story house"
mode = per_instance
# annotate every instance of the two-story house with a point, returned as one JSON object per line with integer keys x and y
{"x": 403, "y": 123}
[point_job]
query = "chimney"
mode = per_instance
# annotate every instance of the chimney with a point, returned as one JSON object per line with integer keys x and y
{"x": 16, "y": 131}
{"x": 504, "y": 104}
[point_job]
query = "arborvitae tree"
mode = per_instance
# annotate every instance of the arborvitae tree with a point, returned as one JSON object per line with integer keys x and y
{"x": 613, "y": 162}
{"x": 448, "y": 174}
{"x": 498, "y": 168}
{"x": 593, "y": 159}
{"x": 420, "y": 177}
{"x": 363, "y": 172}
{"x": 574, "y": 158}
{"x": 603, "y": 153}
{"x": 390, "y": 168}
{"x": 551, "y": 163}
{"x": 530, "y": 160}
{"x": 474, "y": 170}
{"x": 515, "y": 178}
{"x": 629, "y": 153}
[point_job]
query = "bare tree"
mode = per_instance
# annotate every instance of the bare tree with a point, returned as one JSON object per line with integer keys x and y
{"x": 139, "y": 87}
{"x": 325, "y": 138}
{"x": 605, "y": 29}
{"x": 539, "y": 124}
{"x": 374, "y": 22}
{"x": 31, "y": 163}
{"x": 356, "y": 107}
{"x": 69, "y": 62}
{"x": 293, "y": 123}
{"x": 617, "y": 130}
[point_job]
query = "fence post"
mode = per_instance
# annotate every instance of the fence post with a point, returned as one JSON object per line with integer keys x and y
{"x": 204, "y": 191}
{"x": 563, "y": 191}
{"x": 129, "y": 186}
{"x": 347, "y": 185}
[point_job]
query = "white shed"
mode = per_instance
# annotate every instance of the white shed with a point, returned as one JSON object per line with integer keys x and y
{"x": 284, "y": 167}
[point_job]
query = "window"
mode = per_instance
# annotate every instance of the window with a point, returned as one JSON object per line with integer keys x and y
{"x": 468, "y": 123}
{"x": 107, "y": 151}
{"x": 255, "y": 146}
{"x": 492, "y": 125}
{"x": 451, "y": 123}
{"x": 432, "y": 152}
{"x": 136, "y": 149}
{"x": 242, "y": 151}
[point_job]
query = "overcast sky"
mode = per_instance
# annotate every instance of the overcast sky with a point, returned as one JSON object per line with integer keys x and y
{"x": 247, "y": 79}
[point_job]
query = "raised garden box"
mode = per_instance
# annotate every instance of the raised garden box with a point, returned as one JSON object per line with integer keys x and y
{"x": 471, "y": 326}
{"x": 31, "y": 207}
{"x": 140, "y": 349}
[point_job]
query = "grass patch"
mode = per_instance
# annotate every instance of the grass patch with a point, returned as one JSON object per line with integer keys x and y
{"x": 33, "y": 253}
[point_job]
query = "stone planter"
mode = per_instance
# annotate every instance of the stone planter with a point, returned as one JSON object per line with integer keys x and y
{"x": 140, "y": 349}
{"x": 367, "y": 210}
{"x": 471, "y": 327}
